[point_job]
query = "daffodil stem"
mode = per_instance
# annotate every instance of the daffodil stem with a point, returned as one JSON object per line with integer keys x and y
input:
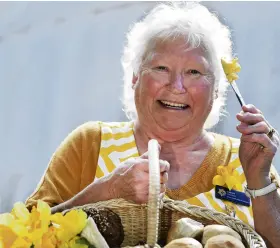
{"x": 237, "y": 93}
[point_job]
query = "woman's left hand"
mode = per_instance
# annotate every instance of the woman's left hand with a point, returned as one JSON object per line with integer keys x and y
{"x": 258, "y": 146}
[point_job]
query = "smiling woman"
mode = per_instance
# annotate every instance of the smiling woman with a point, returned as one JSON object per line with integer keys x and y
{"x": 174, "y": 90}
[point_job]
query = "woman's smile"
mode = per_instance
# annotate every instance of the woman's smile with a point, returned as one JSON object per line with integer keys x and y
{"x": 173, "y": 105}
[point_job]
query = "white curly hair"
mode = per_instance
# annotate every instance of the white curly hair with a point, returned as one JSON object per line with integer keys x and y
{"x": 168, "y": 21}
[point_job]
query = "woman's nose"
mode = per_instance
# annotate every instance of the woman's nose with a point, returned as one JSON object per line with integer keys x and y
{"x": 177, "y": 84}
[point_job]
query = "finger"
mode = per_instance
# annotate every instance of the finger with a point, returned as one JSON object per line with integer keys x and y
{"x": 250, "y": 118}
{"x": 260, "y": 127}
{"x": 140, "y": 199}
{"x": 164, "y": 177}
{"x": 275, "y": 137}
{"x": 251, "y": 108}
{"x": 136, "y": 160}
{"x": 164, "y": 165}
{"x": 139, "y": 163}
{"x": 261, "y": 139}
{"x": 142, "y": 164}
{"x": 130, "y": 161}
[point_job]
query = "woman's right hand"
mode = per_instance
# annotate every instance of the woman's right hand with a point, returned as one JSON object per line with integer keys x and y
{"x": 130, "y": 180}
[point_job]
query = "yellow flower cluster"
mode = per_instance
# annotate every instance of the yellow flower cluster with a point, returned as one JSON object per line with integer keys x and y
{"x": 40, "y": 229}
{"x": 229, "y": 177}
{"x": 231, "y": 69}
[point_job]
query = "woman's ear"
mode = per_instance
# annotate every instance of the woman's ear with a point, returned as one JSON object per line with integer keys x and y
{"x": 134, "y": 81}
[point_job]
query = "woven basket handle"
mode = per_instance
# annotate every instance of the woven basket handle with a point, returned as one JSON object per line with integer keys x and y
{"x": 154, "y": 193}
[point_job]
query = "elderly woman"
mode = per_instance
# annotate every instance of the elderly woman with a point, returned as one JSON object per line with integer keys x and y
{"x": 174, "y": 90}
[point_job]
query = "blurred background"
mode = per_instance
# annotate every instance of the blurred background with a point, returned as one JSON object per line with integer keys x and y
{"x": 60, "y": 67}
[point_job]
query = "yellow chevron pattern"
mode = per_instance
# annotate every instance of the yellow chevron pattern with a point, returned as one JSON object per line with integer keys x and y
{"x": 118, "y": 144}
{"x": 208, "y": 199}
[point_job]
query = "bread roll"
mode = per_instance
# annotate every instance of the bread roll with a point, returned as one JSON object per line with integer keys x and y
{"x": 184, "y": 243}
{"x": 224, "y": 241}
{"x": 214, "y": 230}
{"x": 185, "y": 228}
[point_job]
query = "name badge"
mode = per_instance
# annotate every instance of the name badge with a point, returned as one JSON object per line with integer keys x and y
{"x": 234, "y": 196}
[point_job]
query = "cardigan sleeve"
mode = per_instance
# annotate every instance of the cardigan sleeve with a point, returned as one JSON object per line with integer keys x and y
{"x": 71, "y": 168}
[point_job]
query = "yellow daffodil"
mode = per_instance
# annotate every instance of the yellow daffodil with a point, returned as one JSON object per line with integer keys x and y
{"x": 231, "y": 69}
{"x": 40, "y": 229}
{"x": 65, "y": 228}
{"x": 229, "y": 177}
{"x": 34, "y": 224}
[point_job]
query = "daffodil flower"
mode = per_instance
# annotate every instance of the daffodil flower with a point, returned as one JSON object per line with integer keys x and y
{"x": 40, "y": 229}
{"x": 231, "y": 69}
{"x": 35, "y": 223}
{"x": 64, "y": 223}
{"x": 229, "y": 177}
{"x": 28, "y": 228}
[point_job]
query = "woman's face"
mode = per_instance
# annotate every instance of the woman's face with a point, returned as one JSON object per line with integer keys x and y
{"x": 174, "y": 90}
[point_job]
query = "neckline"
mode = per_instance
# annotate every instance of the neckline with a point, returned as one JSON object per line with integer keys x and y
{"x": 207, "y": 168}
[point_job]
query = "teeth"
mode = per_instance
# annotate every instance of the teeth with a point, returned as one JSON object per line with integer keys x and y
{"x": 172, "y": 104}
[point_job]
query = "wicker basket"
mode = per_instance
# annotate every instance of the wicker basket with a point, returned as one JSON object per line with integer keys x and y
{"x": 135, "y": 221}
{"x": 142, "y": 222}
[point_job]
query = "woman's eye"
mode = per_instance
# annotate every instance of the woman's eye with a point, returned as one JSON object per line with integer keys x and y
{"x": 161, "y": 68}
{"x": 194, "y": 72}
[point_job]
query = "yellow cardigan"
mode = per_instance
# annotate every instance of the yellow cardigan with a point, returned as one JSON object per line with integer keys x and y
{"x": 73, "y": 166}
